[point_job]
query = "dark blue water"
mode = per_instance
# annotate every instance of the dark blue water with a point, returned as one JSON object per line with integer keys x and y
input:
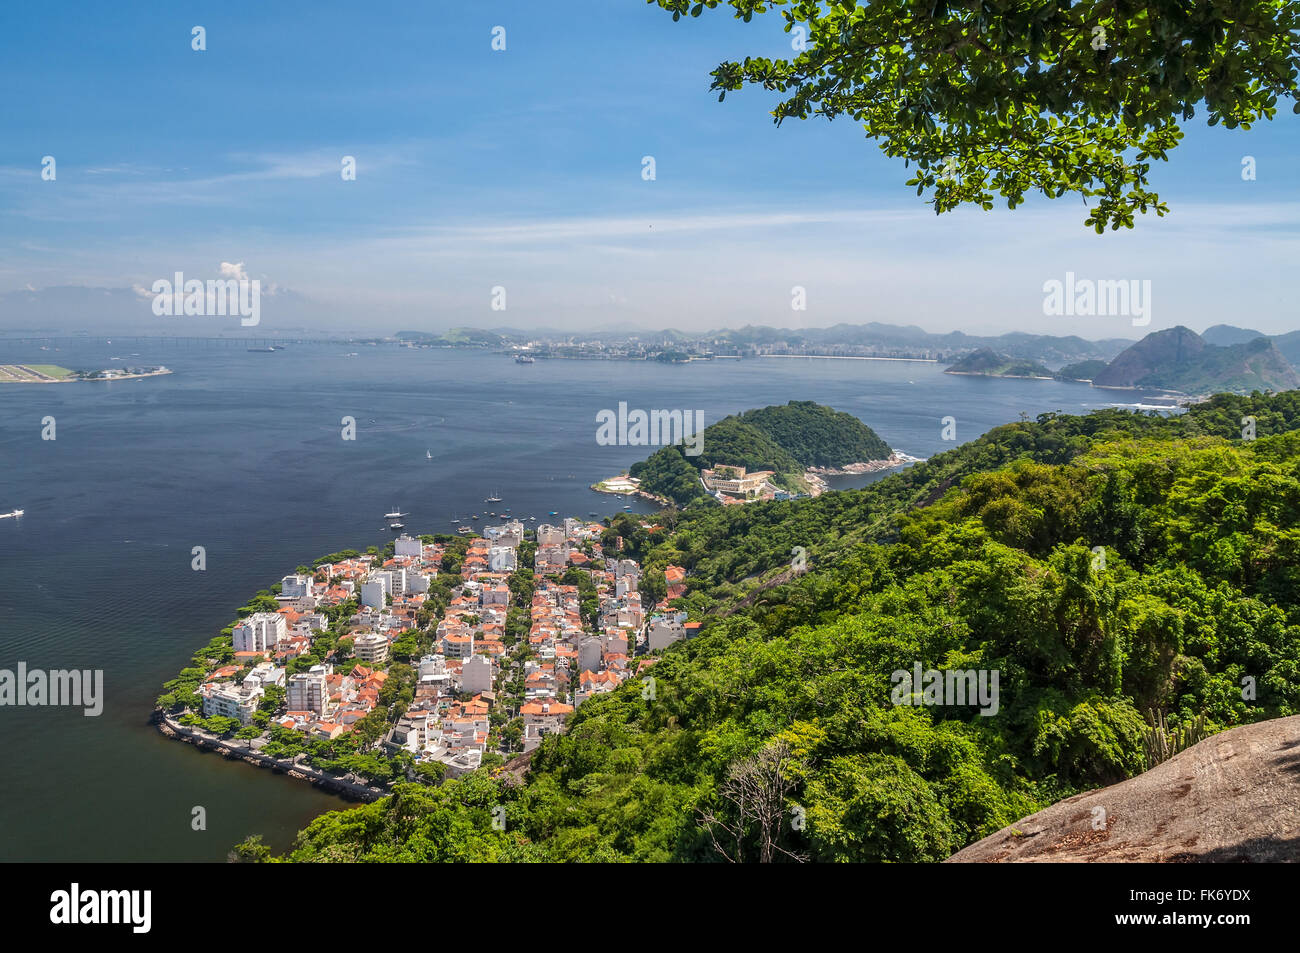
{"x": 241, "y": 453}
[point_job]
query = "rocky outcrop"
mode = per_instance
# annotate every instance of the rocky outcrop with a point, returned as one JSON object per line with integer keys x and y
{"x": 1232, "y": 798}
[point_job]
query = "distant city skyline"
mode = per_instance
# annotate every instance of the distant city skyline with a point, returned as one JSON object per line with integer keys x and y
{"x": 522, "y": 169}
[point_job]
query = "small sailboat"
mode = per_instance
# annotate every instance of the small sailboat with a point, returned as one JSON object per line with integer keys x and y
{"x": 11, "y": 513}
{"x": 428, "y": 454}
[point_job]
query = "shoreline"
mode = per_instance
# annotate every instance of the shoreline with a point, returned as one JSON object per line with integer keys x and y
{"x": 815, "y": 476}
{"x": 84, "y": 380}
{"x": 1007, "y": 377}
{"x": 119, "y": 377}
{"x": 602, "y": 487}
{"x": 897, "y": 458}
{"x": 205, "y": 742}
{"x": 852, "y": 357}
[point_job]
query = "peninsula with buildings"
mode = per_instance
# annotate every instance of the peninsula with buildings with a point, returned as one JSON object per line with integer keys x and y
{"x": 430, "y": 659}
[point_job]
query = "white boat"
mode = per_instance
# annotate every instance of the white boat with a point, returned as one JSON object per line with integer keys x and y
{"x": 428, "y": 454}
{"x": 395, "y": 515}
{"x": 5, "y": 516}
{"x": 396, "y": 525}
{"x": 494, "y": 498}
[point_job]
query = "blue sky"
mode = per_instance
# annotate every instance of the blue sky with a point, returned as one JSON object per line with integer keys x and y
{"x": 522, "y": 169}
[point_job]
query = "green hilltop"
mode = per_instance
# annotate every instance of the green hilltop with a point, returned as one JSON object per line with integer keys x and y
{"x": 987, "y": 362}
{"x": 787, "y": 439}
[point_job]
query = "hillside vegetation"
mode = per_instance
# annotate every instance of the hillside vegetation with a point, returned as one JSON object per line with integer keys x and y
{"x": 1105, "y": 566}
{"x": 987, "y": 362}
{"x": 785, "y": 439}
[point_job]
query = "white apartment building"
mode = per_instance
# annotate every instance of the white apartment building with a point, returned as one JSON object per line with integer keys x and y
{"x": 260, "y": 632}
{"x": 371, "y": 648}
{"x": 227, "y": 701}
{"x": 548, "y": 535}
{"x": 306, "y": 691}
{"x": 502, "y": 559}
{"x": 263, "y": 676}
{"x": 406, "y": 545}
{"x": 507, "y": 534}
{"x": 375, "y": 591}
{"x": 295, "y": 587}
{"x": 458, "y": 644}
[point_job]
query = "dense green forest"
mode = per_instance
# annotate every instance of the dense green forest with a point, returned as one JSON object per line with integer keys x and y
{"x": 1107, "y": 567}
{"x": 786, "y": 439}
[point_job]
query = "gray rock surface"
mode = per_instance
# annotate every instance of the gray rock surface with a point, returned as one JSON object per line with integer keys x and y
{"x": 1232, "y": 798}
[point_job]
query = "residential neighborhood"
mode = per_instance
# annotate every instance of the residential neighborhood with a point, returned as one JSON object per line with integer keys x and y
{"x": 439, "y": 654}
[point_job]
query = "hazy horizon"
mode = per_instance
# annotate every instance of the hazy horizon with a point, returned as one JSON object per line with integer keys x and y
{"x": 522, "y": 169}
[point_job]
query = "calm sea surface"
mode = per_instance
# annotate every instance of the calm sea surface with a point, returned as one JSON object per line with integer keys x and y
{"x": 241, "y": 453}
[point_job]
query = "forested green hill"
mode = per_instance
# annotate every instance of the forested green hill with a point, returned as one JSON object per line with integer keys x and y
{"x": 1105, "y": 566}
{"x": 786, "y": 439}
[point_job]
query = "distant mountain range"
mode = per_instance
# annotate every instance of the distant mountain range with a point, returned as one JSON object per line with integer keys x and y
{"x": 1225, "y": 335}
{"x": 873, "y": 337}
{"x": 1225, "y": 357}
{"x": 1046, "y": 348}
{"x": 1180, "y": 359}
{"x": 1176, "y": 359}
